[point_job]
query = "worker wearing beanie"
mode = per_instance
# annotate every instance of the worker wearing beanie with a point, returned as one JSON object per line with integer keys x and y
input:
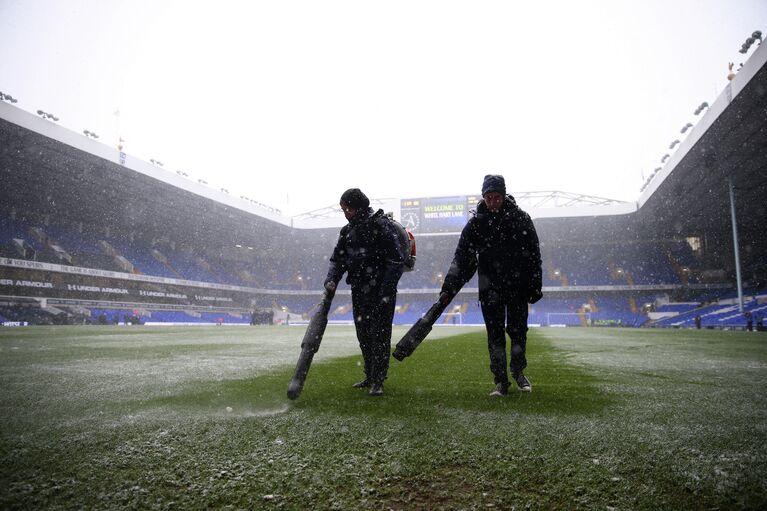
{"x": 500, "y": 243}
{"x": 369, "y": 251}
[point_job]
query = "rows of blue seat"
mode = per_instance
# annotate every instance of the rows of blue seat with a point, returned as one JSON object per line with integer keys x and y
{"x": 610, "y": 310}
{"x": 717, "y": 315}
{"x": 590, "y": 265}
{"x": 582, "y": 264}
{"x": 85, "y": 252}
{"x": 11, "y": 228}
{"x": 121, "y": 316}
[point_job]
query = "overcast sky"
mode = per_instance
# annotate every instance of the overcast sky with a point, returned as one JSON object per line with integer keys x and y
{"x": 292, "y": 102}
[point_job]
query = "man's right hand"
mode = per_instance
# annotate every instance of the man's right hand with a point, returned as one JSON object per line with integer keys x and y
{"x": 330, "y": 286}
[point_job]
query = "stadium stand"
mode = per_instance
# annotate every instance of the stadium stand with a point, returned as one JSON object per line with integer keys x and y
{"x": 720, "y": 315}
{"x": 91, "y": 237}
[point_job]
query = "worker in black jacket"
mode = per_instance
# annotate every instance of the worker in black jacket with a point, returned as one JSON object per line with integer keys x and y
{"x": 370, "y": 252}
{"x": 500, "y": 243}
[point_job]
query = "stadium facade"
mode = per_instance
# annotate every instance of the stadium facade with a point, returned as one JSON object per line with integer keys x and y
{"x": 91, "y": 234}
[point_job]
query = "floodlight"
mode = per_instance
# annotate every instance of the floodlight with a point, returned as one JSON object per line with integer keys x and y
{"x": 665, "y": 157}
{"x": 757, "y": 35}
{"x": 90, "y": 134}
{"x": 8, "y": 98}
{"x": 46, "y": 115}
{"x": 686, "y": 127}
{"x": 156, "y": 162}
{"x": 673, "y": 144}
{"x": 701, "y": 107}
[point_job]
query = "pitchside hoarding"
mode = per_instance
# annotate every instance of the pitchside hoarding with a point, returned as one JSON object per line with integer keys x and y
{"x": 437, "y": 214}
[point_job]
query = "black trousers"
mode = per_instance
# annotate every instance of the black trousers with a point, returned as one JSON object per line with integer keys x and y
{"x": 373, "y": 317}
{"x": 505, "y": 316}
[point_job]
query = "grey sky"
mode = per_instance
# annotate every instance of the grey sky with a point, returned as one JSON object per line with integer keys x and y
{"x": 300, "y": 100}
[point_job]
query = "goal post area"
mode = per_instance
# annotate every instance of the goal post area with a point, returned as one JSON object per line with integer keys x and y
{"x": 562, "y": 319}
{"x": 450, "y": 318}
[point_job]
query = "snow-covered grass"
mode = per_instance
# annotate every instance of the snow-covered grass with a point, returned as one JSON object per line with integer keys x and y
{"x": 197, "y": 417}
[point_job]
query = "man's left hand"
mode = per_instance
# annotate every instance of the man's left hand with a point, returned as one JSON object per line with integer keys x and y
{"x": 535, "y": 295}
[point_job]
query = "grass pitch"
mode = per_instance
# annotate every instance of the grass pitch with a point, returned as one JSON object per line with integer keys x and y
{"x": 197, "y": 418}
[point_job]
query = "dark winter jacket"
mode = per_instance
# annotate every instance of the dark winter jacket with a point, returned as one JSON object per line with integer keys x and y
{"x": 369, "y": 249}
{"x": 503, "y": 247}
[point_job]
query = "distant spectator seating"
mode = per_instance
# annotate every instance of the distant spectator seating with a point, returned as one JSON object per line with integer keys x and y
{"x": 719, "y": 315}
{"x": 150, "y": 317}
{"x": 32, "y": 314}
{"x": 564, "y": 266}
{"x": 618, "y": 264}
{"x": 678, "y": 307}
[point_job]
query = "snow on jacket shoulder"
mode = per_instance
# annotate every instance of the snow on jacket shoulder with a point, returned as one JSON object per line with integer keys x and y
{"x": 503, "y": 248}
{"x": 369, "y": 250}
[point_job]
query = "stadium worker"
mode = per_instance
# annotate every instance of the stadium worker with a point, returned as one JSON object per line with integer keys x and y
{"x": 370, "y": 252}
{"x": 500, "y": 243}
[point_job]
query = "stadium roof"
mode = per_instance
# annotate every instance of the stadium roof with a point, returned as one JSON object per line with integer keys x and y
{"x": 527, "y": 200}
{"x": 40, "y": 160}
{"x": 691, "y": 193}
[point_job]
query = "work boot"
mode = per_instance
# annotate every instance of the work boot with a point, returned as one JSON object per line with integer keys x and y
{"x": 501, "y": 390}
{"x": 361, "y": 384}
{"x": 376, "y": 389}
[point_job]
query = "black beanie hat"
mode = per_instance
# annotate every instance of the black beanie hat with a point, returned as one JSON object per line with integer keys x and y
{"x": 355, "y": 199}
{"x": 494, "y": 183}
